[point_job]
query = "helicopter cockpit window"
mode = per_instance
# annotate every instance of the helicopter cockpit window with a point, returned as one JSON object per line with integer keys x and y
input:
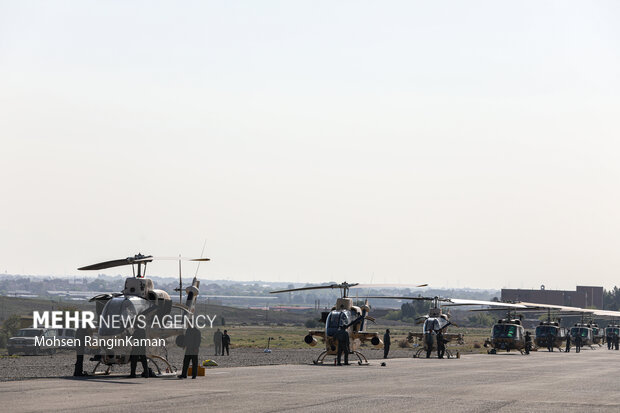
{"x": 577, "y": 331}
{"x": 543, "y": 331}
{"x": 430, "y": 325}
{"x": 505, "y": 331}
{"x": 116, "y": 314}
{"x": 335, "y": 319}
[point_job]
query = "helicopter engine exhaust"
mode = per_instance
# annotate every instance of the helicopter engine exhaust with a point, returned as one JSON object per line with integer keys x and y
{"x": 376, "y": 341}
{"x": 310, "y": 340}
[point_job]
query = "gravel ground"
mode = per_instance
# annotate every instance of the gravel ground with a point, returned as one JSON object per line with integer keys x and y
{"x": 61, "y": 364}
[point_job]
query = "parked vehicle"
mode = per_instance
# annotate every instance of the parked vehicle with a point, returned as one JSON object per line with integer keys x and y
{"x": 24, "y": 342}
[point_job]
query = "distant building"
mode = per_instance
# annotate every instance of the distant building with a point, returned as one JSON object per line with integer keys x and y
{"x": 583, "y": 296}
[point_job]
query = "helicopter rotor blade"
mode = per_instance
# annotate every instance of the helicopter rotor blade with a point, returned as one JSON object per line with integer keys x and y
{"x": 346, "y": 285}
{"x": 115, "y": 263}
{"x": 389, "y": 286}
{"x": 408, "y": 298}
{"x": 179, "y": 258}
{"x": 316, "y": 287}
{"x": 458, "y": 301}
{"x": 134, "y": 260}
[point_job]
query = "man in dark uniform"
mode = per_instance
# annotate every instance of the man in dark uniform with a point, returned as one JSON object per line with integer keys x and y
{"x": 192, "y": 345}
{"x": 80, "y": 336}
{"x": 225, "y": 343}
{"x": 578, "y": 343}
{"x": 429, "y": 344}
{"x": 138, "y": 353}
{"x": 549, "y": 342}
{"x": 568, "y": 343}
{"x": 386, "y": 343}
{"x": 441, "y": 345}
{"x": 528, "y": 342}
{"x": 609, "y": 341}
{"x": 616, "y": 341}
{"x": 343, "y": 345}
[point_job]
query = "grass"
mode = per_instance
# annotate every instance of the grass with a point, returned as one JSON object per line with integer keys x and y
{"x": 291, "y": 337}
{"x": 284, "y": 337}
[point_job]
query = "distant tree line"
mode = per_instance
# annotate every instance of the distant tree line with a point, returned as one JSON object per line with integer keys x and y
{"x": 611, "y": 299}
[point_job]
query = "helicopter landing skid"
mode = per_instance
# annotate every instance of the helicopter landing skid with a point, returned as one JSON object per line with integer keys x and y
{"x": 361, "y": 358}
{"x": 169, "y": 368}
{"x": 320, "y": 358}
{"x": 422, "y": 350}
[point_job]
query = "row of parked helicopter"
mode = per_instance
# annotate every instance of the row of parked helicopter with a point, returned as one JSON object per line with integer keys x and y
{"x": 140, "y": 297}
{"x": 508, "y": 334}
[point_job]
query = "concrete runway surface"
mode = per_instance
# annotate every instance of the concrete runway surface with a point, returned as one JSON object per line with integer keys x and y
{"x": 506, "y": 382}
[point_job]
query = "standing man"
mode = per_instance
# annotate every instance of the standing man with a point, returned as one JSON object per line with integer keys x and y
{"x": 217, "y": 341}
{"x": 138, "y": 353}
{"x": 429, "y": 344}
{"x": 616, "y": 341}
{"x": 441, "y": 345}
{"x": 386, "y": 343}
{"x": 343, "y": 345}
{"x": 549, "y": 342}
{"x": 568, "y": 343}
{"x": 578, "y": 343}
{"x": 80, "y": 336}
{"x": 528, "y": 342}
{"x": 225, "y": 343}
{"x": 192, "y": 346}
{"x": 609, "y": 341}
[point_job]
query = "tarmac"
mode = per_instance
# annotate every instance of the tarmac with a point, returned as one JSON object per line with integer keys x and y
{"x": 505, "y": 382}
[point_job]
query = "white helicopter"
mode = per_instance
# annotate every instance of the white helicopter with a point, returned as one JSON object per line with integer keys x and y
{"x": 346, "y": 314}
{"x": 139, "y": 297}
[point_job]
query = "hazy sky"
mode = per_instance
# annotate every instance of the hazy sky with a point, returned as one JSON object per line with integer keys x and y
{"x": 455, "y": 143}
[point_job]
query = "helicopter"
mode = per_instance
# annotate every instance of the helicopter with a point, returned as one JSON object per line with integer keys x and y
{"x": 589, "y": 331}
{"x": 344, "y": 313}
{"x": 508, "y": 333}
{"x": 551, "y": 326}
{"x": 437, "y": 321}
{"x": 139, "y": 297}
{"x": 602, "y": 335}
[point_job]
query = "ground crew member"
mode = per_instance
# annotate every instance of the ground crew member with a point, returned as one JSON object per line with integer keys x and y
{"x": 616, "y": 341}
{"x": 609, "y": 341}
{"x": 386, "y": 343}
{"x": 138, "y": 353}
{"x": 568, "y": 343}
{"x": 343, "y": 345}
{"x": 578, "y": 343}
{"x": 225, "y": 343}
{"x": 217, "y": 341}
{"x": 528, "y": 342}
{"x": 441, "y": 345}
{"x": 549, "y": 342}
{"x": 192, "y": 345}
{"x": 429, "y": 344}
{"x": 80, "y": 336}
